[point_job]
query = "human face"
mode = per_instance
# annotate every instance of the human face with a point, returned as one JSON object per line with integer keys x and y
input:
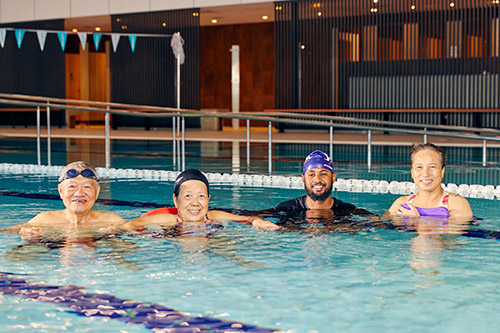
{"x": 318, "y": 183}
{"x": 79, "y": 194}
{"x": 192, "y": 202}
{"x": 427, "y": 171}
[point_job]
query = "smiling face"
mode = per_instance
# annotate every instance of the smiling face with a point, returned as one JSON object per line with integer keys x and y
{"x": 79, "y": 194}
{"x": 192, "y": 202}
{"x": 427, "y": 171}
{"x": 318, "y": 183}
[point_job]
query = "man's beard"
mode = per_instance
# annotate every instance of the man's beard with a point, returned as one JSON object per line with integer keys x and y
{"x": 319, "y": 197}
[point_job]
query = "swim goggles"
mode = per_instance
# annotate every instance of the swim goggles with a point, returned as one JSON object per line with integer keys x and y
{"x": 72, "y": 173}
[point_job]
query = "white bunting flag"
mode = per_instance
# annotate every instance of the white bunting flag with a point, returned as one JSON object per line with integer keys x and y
{"x": 42, "y": 35}
{"x": 3, "y": 33}
{"x": 115, "y": 39}
{"x": 132, "y": 39}
{"x": 83, "y": 39}
{"x": 19, "y": 36}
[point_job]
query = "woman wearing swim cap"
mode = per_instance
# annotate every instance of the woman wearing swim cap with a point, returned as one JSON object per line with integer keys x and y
{"x": 427, "y": 163}
{"x": 191, "y": 198}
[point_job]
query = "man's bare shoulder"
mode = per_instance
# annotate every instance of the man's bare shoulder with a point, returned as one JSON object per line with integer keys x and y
{"x": 108, "y": 217}
{"x": 47, "y": 218}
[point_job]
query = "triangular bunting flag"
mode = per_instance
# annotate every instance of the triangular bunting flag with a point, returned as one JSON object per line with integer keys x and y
{"x": 42, "y": 35}
{"x": 62, "y": 39}
{"x": 83, "y": 39}
{"x": 132, "y": 39}
{"x": 115, "y": 39}
{"x": 97, "y": 39}
{"x": 3, "y": 33}
{"x": 19, "y": 36}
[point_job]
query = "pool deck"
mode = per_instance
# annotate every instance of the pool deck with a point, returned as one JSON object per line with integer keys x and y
{"x": 257, "y": 135}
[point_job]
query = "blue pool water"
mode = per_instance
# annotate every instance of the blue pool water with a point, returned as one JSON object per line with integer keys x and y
{"x": 369, "y": 279}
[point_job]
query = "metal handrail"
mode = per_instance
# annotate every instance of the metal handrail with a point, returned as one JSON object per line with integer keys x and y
{"x": 166, "y": 112}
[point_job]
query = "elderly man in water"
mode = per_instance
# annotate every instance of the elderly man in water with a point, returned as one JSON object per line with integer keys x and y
{"x": 78, "y": 188}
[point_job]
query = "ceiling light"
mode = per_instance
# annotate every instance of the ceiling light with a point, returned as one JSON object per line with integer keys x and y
{"x": 452, "y": 4}
{"x": 412, "y": 7}
{"x": 97, "y": 28}
{"x": 164, "y": 24}
{"x": 75, "y": 30}
{"x": 196, "y": 14}
{"x": 265, "y": 17}
{"x": 319, "y": 13}
{"x": 375, "y": 1}
{"x": 374, "y": 10}
{"x": 214, "y": 21}
{"x": 302, "y": 46}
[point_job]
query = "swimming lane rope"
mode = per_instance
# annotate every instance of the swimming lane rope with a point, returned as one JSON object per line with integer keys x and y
{"x": 348, "y": 185}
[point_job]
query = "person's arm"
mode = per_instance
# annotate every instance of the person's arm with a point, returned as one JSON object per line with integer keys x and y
{"x": 32, "y": 224}
{"x": 164, "y": 220}
{"x": 256, "y": 221}
{"x": 397, "y": 210}
{"x": 459, "y": 207}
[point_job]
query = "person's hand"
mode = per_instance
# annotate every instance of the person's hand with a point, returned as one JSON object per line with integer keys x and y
{"x": 412, "y": 212}
{"x": 29, "y": 233}
{"x": 262, "y": 224}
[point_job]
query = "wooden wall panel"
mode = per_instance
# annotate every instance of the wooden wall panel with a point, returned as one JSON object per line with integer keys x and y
{"x": 256, "y": 43}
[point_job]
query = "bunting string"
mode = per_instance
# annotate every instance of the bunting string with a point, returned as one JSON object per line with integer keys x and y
{"x": 63, "y": 35}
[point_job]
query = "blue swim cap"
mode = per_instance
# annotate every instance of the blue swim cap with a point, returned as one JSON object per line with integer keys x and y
{"x": 317, "y": 159}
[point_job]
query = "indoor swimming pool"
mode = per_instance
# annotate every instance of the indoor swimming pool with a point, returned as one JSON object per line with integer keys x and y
{"x": 356, "y": 276}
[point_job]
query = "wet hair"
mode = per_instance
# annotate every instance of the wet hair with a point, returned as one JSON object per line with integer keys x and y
{"x": 416, "y": 147}
{"x": 190, "y": 174}
{"x": 79, "y": 165}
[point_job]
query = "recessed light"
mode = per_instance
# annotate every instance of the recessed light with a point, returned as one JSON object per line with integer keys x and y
{"x": 412, "y": 7}
{"x": 97, "y": 28}
{"x": 74, "y": 30}
{"x": 214, "y": 21}
{"x": 452, "y": 4}
{"x": 265, "y": 17}
{"x": 319, "y": 13}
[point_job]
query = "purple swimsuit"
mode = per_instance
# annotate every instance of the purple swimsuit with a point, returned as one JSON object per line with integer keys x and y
{"x": 441, "y": 211}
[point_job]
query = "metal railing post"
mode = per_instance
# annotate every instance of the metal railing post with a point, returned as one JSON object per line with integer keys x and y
{"x": 248, "y": 143}
{"x": 174, "y": 152}
{"x": 269, "y": 153}
{"x": 369, "y": 149}
{"x": 49, "y": 158}
{"x": 331, "y": 139}
{"x": 38, "y": 152}
{"x": 425, "y": 135}
{"x": 107, "y": 145}
{"x": 183, "y": 146}
{"x": 484, "y": 152}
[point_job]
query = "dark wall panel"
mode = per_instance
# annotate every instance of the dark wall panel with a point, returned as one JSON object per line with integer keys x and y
{"x": 147, "y": 76}
{"x": 387, "y": 55}
{"x": 30, "y": 71}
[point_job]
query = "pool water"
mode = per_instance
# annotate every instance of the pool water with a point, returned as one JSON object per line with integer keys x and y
{"x": 367, "y": 279}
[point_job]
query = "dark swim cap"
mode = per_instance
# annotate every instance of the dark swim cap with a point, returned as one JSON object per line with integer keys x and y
{"x": 317, "y": 159}
{"x": 190, "y": 174}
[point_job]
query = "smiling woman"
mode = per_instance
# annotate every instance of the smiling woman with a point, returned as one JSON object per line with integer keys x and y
{"x": 191, "y": 197}
{"x": 78, "y": 188}
{"x": 427, "y": 171}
